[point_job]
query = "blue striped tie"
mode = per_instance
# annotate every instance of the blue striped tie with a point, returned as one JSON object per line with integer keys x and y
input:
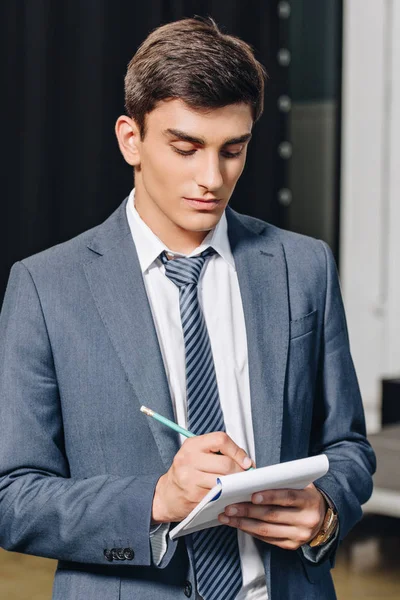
{"x": 216, "y": 551}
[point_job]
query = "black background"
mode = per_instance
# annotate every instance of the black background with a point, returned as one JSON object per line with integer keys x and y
{"x": 63, "y": 66}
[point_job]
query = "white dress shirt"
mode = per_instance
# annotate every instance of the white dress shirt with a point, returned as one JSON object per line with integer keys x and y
{"x": 221, "y": 302}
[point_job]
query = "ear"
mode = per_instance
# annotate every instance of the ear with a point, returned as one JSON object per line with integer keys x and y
{"x": 128, "y": 137}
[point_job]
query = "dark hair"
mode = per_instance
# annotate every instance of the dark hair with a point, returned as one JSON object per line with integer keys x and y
{"x": 193, "y": 60}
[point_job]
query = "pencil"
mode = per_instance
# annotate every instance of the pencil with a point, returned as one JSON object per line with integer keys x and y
{"x": 167, "y": 422}
{"x": 171, "y": 424}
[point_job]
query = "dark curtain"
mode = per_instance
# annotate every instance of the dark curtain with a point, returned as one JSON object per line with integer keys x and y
{"x": 63, "y": 64}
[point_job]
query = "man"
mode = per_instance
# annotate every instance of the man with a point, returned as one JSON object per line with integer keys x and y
{"x": 228, "y": 325}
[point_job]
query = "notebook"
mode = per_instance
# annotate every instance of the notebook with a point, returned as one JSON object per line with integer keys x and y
{"x": 239, "y": 487}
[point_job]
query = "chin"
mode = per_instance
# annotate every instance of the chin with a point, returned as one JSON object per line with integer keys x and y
{"x": 201, "y": 222}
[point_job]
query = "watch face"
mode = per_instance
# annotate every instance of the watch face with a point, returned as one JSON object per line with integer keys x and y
{"x": 329, "y": 519}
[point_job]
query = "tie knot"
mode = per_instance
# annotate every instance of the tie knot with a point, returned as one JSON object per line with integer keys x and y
{"x": 185, "y": 270}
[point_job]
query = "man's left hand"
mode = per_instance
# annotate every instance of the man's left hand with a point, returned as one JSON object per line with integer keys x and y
{"x": 285, "y": 518}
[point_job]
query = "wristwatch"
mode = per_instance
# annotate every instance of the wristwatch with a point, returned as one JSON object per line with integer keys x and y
{"x": 329, "y": 525}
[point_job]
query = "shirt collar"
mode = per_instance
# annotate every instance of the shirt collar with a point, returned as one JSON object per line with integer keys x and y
{"x": 149, "y": 246}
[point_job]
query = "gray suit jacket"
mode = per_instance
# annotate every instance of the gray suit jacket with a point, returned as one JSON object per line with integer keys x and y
{"x": 79, "y": 355}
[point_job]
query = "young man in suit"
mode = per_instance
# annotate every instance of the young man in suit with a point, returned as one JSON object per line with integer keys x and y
{"x": 230, "y": 326}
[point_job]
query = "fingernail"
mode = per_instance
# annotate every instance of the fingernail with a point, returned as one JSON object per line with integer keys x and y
{"x": 258, "y": 499}
{"x": 247, "y": 462}
{"x": 231, "y": 511}
{"x": 224, "y": 519}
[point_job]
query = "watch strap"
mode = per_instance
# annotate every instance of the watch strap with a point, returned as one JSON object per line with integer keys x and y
{"x": 329, "y": 524}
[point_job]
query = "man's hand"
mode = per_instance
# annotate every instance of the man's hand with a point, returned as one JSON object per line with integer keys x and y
{"x": 193, "y": 473}
{"x": 284, "y": 518}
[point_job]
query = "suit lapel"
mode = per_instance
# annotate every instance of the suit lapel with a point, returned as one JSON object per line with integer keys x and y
{"x": 261, "y": 271}
{"x": 117, "y": 285}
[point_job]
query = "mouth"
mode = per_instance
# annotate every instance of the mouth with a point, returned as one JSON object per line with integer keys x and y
{"x": 203, "y": 204}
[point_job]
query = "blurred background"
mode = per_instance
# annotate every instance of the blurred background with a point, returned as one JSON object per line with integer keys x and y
{"x": 324, "y": 161}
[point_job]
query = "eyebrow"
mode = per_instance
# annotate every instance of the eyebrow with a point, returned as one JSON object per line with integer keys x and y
{"x": 185, "y": 137}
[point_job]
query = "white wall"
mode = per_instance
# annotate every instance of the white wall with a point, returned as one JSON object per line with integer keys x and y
{"x": 370, "y": 208}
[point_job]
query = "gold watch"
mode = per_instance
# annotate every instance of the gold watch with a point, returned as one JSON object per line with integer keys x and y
{"x": 328, "y": 526}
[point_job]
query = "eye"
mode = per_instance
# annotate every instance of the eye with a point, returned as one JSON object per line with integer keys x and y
{"x": 184, "y": 152}
{"x": 234, "y": 151}
{"x": 231, "y": 154}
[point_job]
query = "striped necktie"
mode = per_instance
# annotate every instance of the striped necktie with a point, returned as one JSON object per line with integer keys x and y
{"x": 216, "y": 551}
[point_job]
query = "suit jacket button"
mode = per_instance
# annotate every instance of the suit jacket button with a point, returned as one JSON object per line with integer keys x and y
{"x": 188, "y": 589}
{"x": 129, "y": 553}
{"x": 121, "y": 554}
{"x": 108, "y": 555}
{"x": 114, "y": 553}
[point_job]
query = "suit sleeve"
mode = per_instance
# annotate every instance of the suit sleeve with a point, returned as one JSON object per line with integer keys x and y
{"x": 338, "y": 422}
{"x": 43, "y": 511}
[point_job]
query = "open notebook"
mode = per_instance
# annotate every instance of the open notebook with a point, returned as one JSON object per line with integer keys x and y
{"x": 239, "y": 487}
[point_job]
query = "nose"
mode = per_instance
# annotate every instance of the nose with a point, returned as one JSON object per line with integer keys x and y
{"x": 209, "y": 173}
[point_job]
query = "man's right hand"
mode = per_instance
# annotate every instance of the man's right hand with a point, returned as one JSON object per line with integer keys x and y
{"x": 193, "y": 473}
